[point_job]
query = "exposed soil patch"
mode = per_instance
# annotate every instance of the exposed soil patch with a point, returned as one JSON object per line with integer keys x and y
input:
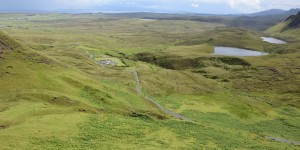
{"x": 139, "y": 115}
{"x": 7, "y": 43}
{"x": 4, "y": 46}
{"x": 3, "y": 126}
{"x": 63, "y": 101}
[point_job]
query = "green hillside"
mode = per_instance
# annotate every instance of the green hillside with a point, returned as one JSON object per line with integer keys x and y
{"x": 288, "y": 29}
{"x": 42, "y": 97}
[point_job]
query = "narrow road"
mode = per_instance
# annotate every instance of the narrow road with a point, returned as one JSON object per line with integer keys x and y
{"x": 282, "y": 140}
{"x": 138, "y": 89}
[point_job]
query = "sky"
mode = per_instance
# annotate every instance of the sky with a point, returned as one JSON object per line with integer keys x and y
{"x": 166, "y": 6}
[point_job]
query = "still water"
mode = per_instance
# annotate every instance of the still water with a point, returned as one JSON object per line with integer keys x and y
{"x": 231, "y": 51}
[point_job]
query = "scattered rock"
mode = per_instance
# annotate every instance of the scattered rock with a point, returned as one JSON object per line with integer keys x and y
{"x": 106, "y": 63}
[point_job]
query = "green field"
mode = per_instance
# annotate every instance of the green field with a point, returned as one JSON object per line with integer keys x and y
{"x": 54, "y": 96}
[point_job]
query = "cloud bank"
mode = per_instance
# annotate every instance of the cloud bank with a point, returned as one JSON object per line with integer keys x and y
{"x": 200, "y": 6}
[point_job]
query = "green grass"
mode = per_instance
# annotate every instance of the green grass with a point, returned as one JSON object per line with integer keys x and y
{"x": 53, "y": 96}
{"x": 134, "y": 133}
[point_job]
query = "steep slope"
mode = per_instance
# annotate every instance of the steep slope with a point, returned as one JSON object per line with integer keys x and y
{"x": 7, "y": 44}
{"x": 288, "y": 29}
{"x": 41, "y": 97}
{"x": 293, "y": 21}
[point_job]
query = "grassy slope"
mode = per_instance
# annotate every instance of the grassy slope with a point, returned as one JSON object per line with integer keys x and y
{"x": 38, "y": 93}
{"x": 266, "y": 92}
{"x": 227, "y": 116}
{"x": 289, "y": 35}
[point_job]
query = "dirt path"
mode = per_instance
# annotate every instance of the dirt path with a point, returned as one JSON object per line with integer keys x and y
{"x": 138, "y": 89}
{"x": 282, "y": 140}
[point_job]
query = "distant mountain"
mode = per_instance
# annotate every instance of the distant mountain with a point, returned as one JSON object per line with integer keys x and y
{"x": 258, "y": 21}
{"x": 267, "y": 12}
{"x": 274, "y": 12}
{"x": 262, "y": 20}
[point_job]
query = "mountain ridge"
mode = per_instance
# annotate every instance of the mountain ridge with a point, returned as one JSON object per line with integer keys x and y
{"x": 293, "y": 21}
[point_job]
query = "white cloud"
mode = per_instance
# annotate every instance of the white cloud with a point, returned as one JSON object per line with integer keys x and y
{"x": 196, "y": 5}
{"x": 245, "y": 5}
{"x": 240, "y": 5}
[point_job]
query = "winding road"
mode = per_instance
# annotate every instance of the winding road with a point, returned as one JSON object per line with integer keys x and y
{"x": 138, "y": 89}
{"x": 282, "y": 140}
